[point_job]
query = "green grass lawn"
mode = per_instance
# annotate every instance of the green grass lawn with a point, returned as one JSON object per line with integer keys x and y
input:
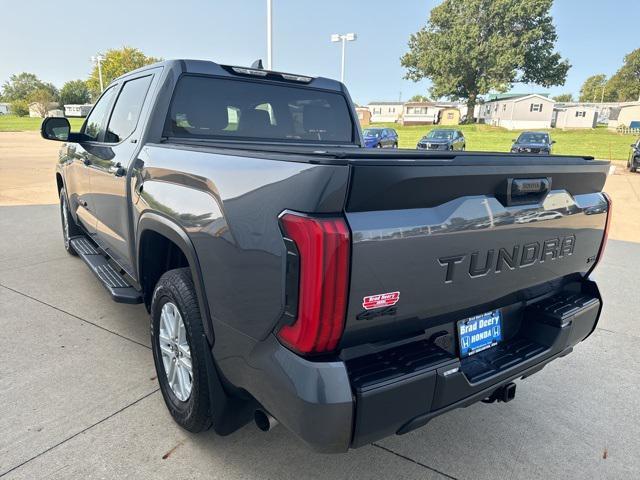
{"x": 11, "y": 123}
{"x": 599, "y": 142}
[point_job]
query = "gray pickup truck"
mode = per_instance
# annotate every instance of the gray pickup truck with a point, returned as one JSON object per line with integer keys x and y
{"x": 293, "y": 276}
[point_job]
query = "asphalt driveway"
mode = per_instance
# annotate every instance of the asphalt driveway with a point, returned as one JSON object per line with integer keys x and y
{"x": 79, "y": 396}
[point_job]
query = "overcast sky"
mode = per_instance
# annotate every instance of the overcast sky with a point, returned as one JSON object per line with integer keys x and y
{"x": 55, "y": 38}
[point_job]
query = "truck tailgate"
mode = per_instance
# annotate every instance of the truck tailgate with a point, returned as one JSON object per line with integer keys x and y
{"x": 434, "y": 242}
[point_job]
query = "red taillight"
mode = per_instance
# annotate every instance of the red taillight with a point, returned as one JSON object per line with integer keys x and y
{"x": 605, "y": 237}
{"x": 323, "y": 249}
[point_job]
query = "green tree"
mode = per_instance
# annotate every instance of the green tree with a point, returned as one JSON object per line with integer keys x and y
{"x": 564, "y": 98}
{"x": 42, "y": 101}
{"x": 20, "y": 86}
{"x": 116, "y": 63}
{"x": 75, "y": 92}
{"x": 594, "y": 89}
{"x": 624, "y": 85}
{"x": 419, "y": 98}
{"x": 470, "y": 47}
{"x": 20, "y": 108}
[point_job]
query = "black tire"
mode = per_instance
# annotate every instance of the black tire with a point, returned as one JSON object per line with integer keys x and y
{"x": 195, "y": 413}
{"x": 395, "y": 145}
{"x": 69, "y": 227}
{"x": 464, "y": 148}
{"x": 379, "y": 145}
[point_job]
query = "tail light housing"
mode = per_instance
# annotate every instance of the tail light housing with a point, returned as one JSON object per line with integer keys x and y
{"x": 605, "y": 237}
{"x": 323, "y": 248}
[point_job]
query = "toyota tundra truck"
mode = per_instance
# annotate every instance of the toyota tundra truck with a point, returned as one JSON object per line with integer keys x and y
{"x": 293, "y": 276}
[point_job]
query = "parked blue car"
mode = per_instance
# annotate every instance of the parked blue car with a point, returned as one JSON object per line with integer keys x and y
{"x": 380, "y": 138}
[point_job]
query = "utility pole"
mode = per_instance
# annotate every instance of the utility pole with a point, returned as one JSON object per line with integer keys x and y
{"x": 344, "y": 38}
{"x": 269, "y": 35}
{"x": 97, "y": 60}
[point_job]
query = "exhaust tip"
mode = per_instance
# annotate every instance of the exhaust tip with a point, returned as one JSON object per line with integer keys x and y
{"x": 264, "y": 421}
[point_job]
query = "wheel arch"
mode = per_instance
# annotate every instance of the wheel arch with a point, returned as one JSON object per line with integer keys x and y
{"x": 153, "y": 225}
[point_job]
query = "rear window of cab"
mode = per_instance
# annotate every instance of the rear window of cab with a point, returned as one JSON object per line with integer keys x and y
{"x": 236, "y": 109}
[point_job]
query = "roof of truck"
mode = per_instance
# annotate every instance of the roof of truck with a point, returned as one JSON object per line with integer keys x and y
{"x": 207, "y": 67}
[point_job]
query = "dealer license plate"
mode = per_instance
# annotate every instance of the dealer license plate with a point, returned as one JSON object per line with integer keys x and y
{"x": 480, "y": 332}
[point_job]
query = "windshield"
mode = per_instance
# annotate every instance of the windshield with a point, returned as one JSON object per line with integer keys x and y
{"x": 533, "y": 138}
{"x": 441, "y": 134}
{"x": 372, "y": 132}
{"x": 233, "y": 109}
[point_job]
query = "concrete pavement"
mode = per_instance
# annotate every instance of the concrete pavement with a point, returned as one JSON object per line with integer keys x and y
{"x": 80, "y": 397}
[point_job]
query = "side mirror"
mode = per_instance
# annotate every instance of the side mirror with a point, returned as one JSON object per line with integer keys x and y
{"x": 552, "y": 142}
{"x": 633, "y": 145}
{"x": 55, "y": 128}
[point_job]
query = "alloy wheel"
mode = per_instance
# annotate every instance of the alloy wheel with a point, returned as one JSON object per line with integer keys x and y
{"x": 176, "y": 353}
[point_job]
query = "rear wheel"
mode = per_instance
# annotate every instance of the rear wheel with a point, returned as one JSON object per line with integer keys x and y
{"x": 179, "y": 348}
{"x": 69, "y": 227}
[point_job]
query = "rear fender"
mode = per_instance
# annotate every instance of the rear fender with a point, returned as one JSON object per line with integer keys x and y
{"x": 169, "y": 229}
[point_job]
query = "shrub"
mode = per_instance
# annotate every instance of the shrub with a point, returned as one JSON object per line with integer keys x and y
{"x": 20, "y": 108}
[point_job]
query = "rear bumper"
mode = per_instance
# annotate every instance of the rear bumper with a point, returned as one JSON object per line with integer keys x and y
{"x": 334, "y": 406}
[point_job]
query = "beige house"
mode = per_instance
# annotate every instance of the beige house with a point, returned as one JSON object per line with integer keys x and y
{"x": 420, "y": 113}
{"x": 518, "y": 112}
{"x": 574, "y": 116}
{"x": 385, "y": 111}
{"x": 39, "y": 110}
{"x": 623, "y": 115}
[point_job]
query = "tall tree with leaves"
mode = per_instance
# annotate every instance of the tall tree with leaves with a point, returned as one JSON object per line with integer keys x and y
{"x": 594, "y": 89}
{"x": 470, "y": 47}
{"x": 20, "y": 86}
{"x": 625, "y": 83}
{"x": 75, "y": 92}
{"x": 564, "y": 98}
{"x": 116, "y": 63}
{"x": 419, "y": 98}
{"x": 41, "y": 101}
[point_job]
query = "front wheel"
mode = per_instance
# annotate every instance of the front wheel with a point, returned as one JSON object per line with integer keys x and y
{"x": 69, "y": 227}
{"x": 179, "y": 348}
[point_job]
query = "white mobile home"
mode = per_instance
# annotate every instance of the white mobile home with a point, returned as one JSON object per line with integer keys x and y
{"x": 574, "y": 116}
{"x": 75, "y": 110}
{"x": 385, "y": 111}
{"x": 420, "y": 113}
{"x": 5, "y": 108}
{"x": 518, "y": 112}
{"x": 623, "y": 115}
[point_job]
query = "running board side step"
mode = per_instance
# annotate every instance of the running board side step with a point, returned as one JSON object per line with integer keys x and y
{"x": 118, "y": 287}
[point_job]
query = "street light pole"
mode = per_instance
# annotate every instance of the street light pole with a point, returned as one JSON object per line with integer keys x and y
{"x": 98, "y": 60}
{"x": 269, "y": 35}
{"x": 348, "y": 37}
{"x": 344, "y": 44}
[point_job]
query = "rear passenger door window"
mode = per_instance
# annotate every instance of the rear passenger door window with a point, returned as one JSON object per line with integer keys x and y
{"x": 126, "y": 112}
